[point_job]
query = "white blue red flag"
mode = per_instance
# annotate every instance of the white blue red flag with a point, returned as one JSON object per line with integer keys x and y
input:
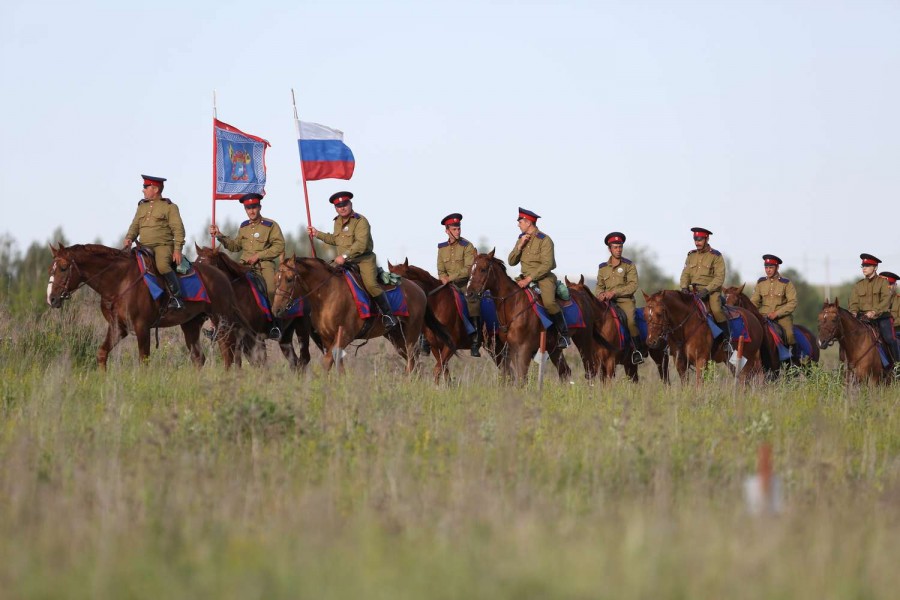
{"x": 323, "y": 153}
{"x": 240, "y": 162}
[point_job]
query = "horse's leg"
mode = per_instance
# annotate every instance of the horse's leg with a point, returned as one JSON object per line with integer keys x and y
{"x": 191, "y": 331}
{"x": 631, "y": 369}
{"x": 681, "y": 364}
{"x": 115, "y": 331}
{"x": 562, "y": 367}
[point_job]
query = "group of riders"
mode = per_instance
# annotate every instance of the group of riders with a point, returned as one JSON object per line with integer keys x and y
{"x": 158, "y": 225}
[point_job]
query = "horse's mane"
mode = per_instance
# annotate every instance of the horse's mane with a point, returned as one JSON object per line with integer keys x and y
{"x": 98, "y": 250}
{"x": 420, "y": 272}
{"x": 496, "y": 261}
{"x": 316, "y": 262}
{"x": 230, "y": 265}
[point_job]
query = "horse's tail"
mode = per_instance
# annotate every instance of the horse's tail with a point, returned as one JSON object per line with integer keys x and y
{"x": 438, "y": 329}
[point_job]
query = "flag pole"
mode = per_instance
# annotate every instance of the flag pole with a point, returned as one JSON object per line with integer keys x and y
{"x": 215, "y": 117}
{"x": 312, "y": 245}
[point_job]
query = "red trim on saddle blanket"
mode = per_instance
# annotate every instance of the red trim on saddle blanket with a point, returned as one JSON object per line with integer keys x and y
{"x": 619, "y": 329}
{"x": 362, "y": 304}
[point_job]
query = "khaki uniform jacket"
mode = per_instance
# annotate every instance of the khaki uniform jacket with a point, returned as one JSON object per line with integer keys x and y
{"x": 777, "y": 295}
{"x": 353, "y": 238}
{"x": 157, "y": 223}
{"x": 895, "y": 309}
{"x": 870, "y": 294}
{"x": 263, "y": 238}
{"x": 705, "y": 269}
{"x": 537, "y": 257}
{"x": 455, "y": 260}
{"x": 621, "y": 279}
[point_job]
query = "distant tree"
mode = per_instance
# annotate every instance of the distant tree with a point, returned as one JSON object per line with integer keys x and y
{"x": 651, "y": 277}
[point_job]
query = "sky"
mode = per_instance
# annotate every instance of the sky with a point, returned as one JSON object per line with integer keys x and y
{"x": 773, "y": 124}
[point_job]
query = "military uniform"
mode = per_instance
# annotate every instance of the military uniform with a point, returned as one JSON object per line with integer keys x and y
{"x": 454, "y": 260}
{"x": 777, "y": 295}
{"x": 263, "y": 239}
{"x": 895, "y": 298}
{"x": 706, "y": 269}
{"x": 158, "y": 225}
{"x": 874, "y": 294}
{"x": 620, "y": 277}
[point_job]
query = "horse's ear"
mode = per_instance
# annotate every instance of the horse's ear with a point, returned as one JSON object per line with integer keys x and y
{"x": 581, "y": 279}
{"x": 405, "y": 261}
{"x": 837, "y": 303}
{"x": 741, "y": 289}
{"x": 568, "y": 283}
{"x": 390, "y": 266}
{"x": 646, "y": 297}
{"x": 491, "y": 253}
{"x": 52, "y": 249}
{"x": 197, "y": 247}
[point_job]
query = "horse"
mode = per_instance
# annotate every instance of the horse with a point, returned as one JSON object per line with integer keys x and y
{"x": 128, "y": 307}
{"x": 609, "y": 350}
{"x": 673, "y": 319}
{"x": 333, "y": 309}
{"x": 858, "y": 342}
{"x": 442, "y": 301}
{"x": 771, "y": 362}
{"x": 520, "y": 326}
{"x": 246, "y": 302}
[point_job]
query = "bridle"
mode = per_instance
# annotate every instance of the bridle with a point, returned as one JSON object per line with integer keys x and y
{"x": 291, "y": 300}
{"x": 668, "y": 329}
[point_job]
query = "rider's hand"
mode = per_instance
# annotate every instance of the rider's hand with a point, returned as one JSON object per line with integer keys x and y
{"x": 176, "y": 256}
{"x": 312, "y": 231}
{"x": 214, "y": 231}
{"x": 523, "y": 240}
{"x": 870, "y": 314}
{"x": 445, "y": 279}
{"x": 523, "y": 283}
{"x": 685, "y": 291}
{"x": 127, "y": 243}
{"x": 772, "y": 316}
{"x": 704, "y": 293}
{"x": 339, "y": 259}
{"x": 252, "y": 260}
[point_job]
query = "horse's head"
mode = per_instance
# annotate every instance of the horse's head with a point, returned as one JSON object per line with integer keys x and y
{"x": 733, "y": 295}
{"x": 287, "y": 286}
{"x": 64, "y": 276}
{"x": 657, "y": 317}
{"x": 830, "y": 328}
{"x": 576, "y": 286}
{"x": 206, "y": 256}
{"x": 402, "y": 270}
{"x": 484, "y": 274}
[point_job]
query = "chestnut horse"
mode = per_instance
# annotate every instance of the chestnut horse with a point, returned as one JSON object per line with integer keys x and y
{"x": 246, "y": 303}
{"x": 673, "y": 319}
{"x": 735, "y": 296}
{"x": 333, "y": 307}
{"x": 520, "y": 327}
{"x": 858, "y": 341}
{"x": 442, "y": 301}
{"x": 609, "y": 350}
{"x": 128, "y": 307}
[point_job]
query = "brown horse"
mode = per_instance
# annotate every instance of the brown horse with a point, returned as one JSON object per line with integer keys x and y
{"x": 246, "y": 302}
{"x": 735, "y": 296}
{"x": 442, "y": 301}
{"x": 332, "y": 306}
{"x": 128, "y": 307}
{"x": 520, "y": 327}
{"x": 608, "y": 348}
{"x": 673, "y": 319}
{"x": 858, "y": 341}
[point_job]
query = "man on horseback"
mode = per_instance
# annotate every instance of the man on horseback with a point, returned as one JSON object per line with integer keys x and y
{"x": 260, "y": 242}
{"x": 617, "y": 279}
{"x": 454, "y": 264}
{"x": 776, "y": 298}
{"x": 158, "y": 224}
{"x": 895, "y": 303}
{"x": 870, "y": 300}
{"x": 353, "y": 238}
{"x": 535, "y": 251}
{"x": 704, "y": 270}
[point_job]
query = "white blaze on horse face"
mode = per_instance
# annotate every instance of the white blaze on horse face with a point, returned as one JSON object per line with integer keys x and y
{"x": 49, "y": 288}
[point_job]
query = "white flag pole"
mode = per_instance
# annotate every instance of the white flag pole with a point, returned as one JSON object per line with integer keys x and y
{"x": 215, "y": 117}
{"x": 312, "y": 247}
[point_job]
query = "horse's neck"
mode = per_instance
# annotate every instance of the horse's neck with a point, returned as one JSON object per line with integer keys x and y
{"x": 504, "y": 285}
{"x": 428, "y": 281}
{"x": 679, "y": 312}
{"x": 316, "y": 278}
{"x": 852, "y": 328}
{"x": 744, "y": 302}
{"x": 101, "y": 275}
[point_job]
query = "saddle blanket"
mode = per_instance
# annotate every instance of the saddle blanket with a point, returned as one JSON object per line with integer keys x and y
{"x": 489, "y": 313}
{"x": 462, "y": 307}
{"x": 802, "y": 349}
{"x": 571, "y": 312}
{"x": 262, "y": 301}
{"x": 192, "y": 287}
{"x": 364, "y": 304}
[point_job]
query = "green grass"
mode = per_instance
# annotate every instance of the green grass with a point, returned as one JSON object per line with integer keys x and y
{"x": 165, "y": 481}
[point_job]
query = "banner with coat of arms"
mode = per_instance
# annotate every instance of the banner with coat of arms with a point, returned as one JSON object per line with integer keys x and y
{"x": 240, "y": 162}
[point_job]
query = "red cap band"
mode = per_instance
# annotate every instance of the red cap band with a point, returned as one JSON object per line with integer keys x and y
{"x": 891, "y": 280}
{"x": 151, "y": 182}
{"x": 615, "y": 240}
{"x": 527, "y": 217}
{"x": 869, "y": 261}
{"x": 771, "y": 263}
{"x": 450, "y": 222}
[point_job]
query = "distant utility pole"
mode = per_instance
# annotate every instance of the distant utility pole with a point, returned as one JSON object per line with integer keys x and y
{"x": 827, "y": 279}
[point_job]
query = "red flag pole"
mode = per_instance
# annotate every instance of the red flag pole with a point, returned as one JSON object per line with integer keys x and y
{"x": 215, "y": 117}
{"x": 312, "y": 246}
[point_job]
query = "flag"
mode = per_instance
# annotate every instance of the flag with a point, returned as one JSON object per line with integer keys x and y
{"x": 323, "y": 153}
{"x": 240, "y": 163}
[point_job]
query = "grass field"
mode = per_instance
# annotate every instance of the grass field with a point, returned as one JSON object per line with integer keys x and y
{"x": 163, "y": 481}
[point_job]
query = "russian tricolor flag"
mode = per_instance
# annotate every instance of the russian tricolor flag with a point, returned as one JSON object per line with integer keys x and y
{"x": 323, "y": 153}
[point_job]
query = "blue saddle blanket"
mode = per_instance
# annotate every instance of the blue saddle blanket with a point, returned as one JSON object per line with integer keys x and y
{"x": 802, "y": 348}
{"x": 462, "y": 307}
{"x": 192, "y": 288}
{"x": 364, "y": 304}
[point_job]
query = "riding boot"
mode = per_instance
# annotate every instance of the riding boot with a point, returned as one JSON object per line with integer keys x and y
{"x": 560, "y": 322}
{"x": 277, "y": 326}
{"x": 724, "y": 327}
{"x": 476, "y": 337}
{"x": 387, "y": 315}
{"x": 424, "y": 346}
{"x": 174, "y": 290}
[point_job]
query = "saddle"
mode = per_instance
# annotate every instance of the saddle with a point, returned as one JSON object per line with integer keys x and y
{"x": 388, "y": 280}
{"x": 562, "y": 292}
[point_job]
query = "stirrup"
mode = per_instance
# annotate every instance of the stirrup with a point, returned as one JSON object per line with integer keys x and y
{"x": 474, "y": 351}
{"x": 389, "y": 321}
{"x": 175, "y": 303}
{"x": 564, "y": 342}
{"x": 637, "y": 358}
{"x": 275, "y": 333}
{"x": 209, "y": 334}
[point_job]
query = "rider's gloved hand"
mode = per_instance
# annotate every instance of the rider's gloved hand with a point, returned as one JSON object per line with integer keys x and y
{"x": 704, "y": 293}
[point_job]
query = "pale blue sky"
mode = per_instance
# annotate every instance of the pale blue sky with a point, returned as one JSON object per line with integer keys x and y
{"x": 774, "y": 124}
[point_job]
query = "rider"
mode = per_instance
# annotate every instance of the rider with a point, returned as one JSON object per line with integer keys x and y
{"x": 158, "y": 224}
{"x": 895, "y": 306}
{"x": 260, "y": 242}
{"x": 535, "y": 251}
{"x": 617, "y": 279}
{"x": 776, "y": 297}
{"x": 455, "y": 258}
{"x": 705, "y": 268}
{"x": 871, "y": 299}
{"x": 353, "y": 238}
